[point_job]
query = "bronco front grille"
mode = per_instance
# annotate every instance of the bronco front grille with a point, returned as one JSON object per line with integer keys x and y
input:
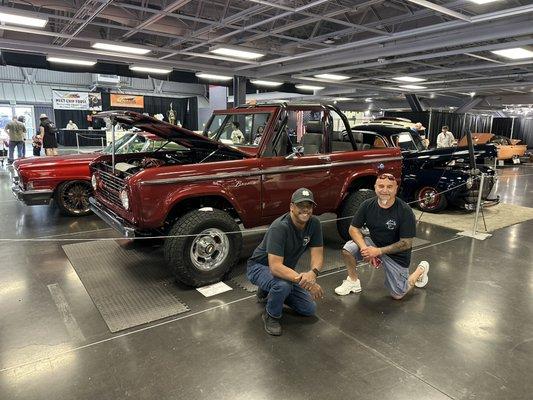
{"x": 110, "y": 187}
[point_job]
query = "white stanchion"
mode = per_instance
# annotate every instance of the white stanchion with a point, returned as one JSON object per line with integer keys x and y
{"x": 474, "y": 233}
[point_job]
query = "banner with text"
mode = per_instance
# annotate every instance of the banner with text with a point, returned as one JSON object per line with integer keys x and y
{"x": 127, "y": 100}
{"x": 63, "y": 100}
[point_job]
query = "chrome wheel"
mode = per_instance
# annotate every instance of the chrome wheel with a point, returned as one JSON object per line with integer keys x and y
{"x": 209, "y": 249}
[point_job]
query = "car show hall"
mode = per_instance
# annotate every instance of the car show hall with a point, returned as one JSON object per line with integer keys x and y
{"x": 235, "y": 199}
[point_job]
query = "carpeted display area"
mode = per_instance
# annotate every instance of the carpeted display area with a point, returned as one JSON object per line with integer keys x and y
{"x": 496, "y": 217}
{"x": 129, "y": 286}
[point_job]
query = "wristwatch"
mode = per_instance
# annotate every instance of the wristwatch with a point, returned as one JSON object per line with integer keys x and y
{"x": 316, "y": 271}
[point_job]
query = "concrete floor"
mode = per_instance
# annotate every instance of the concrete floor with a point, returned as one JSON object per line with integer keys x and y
{"x": 467, "y": 335}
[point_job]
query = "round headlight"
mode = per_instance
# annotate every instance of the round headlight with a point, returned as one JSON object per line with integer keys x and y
{"x": 93, "y": 182}
{"x": 469, "y": 183}
{"x": 125, "y": 199}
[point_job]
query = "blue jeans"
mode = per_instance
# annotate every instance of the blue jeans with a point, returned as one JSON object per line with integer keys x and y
{"x": 280, "y": 292}
{"x": 20, "y": 150}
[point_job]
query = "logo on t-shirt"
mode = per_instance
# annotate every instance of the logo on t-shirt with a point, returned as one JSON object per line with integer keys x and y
{"x": 391, "y": 224}
{"x": 307, "y": 239}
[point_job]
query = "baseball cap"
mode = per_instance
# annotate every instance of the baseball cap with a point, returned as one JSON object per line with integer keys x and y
{"x": 301, "y": 195}
{"x": 43, "y": 116}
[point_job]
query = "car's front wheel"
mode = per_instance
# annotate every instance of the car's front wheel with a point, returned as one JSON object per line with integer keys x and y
{"x": 72, "y": 198}
{"x": 430, "y": 200}
{"x": 203, "y": 246}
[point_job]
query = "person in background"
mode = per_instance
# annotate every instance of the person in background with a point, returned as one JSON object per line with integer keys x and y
{"x": 71, "y": 125}
{"x": 419, "y": 130}
{"x": 16, "y": 132}
{"x": 36, "y": 144}
{"x": 22, "y": 120}
{"x": 259, "y": 134}
{"x": 236, "y": 134}
{"x": 445, "y": 138}
{"x": 47, "y": 132}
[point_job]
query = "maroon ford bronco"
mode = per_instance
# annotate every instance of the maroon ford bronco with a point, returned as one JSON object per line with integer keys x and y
{"x": 241, "y": 170}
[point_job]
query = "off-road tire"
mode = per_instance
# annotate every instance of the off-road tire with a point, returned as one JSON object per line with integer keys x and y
{"x": 348, "y": 209}
{"x": 178, "y": 249}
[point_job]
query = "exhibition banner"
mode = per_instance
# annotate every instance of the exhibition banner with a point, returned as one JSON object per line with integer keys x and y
{"x": 64, "y": 100}
{"x": 127, "y": 100}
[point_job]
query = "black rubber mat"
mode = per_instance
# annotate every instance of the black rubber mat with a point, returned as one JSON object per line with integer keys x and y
{"x": 129, "y": 286}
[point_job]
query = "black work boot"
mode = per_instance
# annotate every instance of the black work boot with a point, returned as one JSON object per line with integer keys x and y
{"x": 261, "y": 295}
{"x": 272, "y": 325}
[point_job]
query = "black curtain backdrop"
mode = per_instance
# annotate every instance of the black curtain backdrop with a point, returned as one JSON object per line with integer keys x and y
{"x": 458, "y": 123}
{"x": 186, "y": 111}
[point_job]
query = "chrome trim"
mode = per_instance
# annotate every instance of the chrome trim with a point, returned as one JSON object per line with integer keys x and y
{"x": 32, "y": 197}
{"x": 268, "y": 171}
{"x": 111, "y": 219}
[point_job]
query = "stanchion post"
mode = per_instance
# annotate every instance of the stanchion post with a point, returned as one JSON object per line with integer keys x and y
{"x": 113, "y": 145}
{"x": 78, "y": 142}
{"x": 102, "y": 142}
{"x": 478, "y": 206}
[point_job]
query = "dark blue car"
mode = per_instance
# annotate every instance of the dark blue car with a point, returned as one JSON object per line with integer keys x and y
{"x": 427, "y": 173}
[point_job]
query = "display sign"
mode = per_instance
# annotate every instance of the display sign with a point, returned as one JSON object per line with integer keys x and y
{"x": 127, "y": 100}
{"x": 64, "y": 100}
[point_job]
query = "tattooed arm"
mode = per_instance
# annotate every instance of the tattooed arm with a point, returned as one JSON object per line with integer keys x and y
{"x": 401, "y": 245}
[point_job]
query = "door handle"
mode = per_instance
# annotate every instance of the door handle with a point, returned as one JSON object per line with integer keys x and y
{"x": 325, "y": 158}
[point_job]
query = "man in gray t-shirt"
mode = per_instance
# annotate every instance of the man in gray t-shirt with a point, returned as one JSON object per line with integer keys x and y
{"x": 271, "y": 266}
{"x": 16, "y": 131}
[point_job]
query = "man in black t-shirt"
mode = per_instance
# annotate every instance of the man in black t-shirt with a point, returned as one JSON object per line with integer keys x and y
{"x": 271, "y": 266}
{"x": 392, "y": 227}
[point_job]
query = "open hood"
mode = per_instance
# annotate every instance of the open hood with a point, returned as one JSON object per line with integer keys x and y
{"x": 164, "y": 130}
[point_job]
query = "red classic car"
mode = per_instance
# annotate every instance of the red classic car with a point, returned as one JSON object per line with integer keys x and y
{"x": 66, "y": 179}
{"x": 199, "y": 194}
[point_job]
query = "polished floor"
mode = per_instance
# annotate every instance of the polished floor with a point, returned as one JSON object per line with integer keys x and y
{"x": 467, "y": 335}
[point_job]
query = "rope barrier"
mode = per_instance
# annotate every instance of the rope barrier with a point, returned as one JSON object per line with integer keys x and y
{"x": 247, "y": 231}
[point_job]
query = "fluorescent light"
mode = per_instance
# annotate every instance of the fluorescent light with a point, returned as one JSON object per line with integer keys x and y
{"x": 260, "y": 82}
{"x": 18, "y": 19}
{"x": 368, "y": 100}
{"x": 309, "y": 87}
{"x": 213, "y": 77}
{"x": 483, "y": 1}
{"x": 408, "y": 79}
{"x": 150, "y": 69}
{"x": 332, "y": 77}
{"x": 472, "y": 94}
{"x": 238, "y": 52}
{"x": 343, "y": 99}
{"x": 71, "y": 61}
{"x": 119, "y": 48}
{"x": 516, "y": 53}
{"x": 415, "y": 87}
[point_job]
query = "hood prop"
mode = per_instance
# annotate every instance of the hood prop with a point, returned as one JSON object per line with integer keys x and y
{"x": 471, "y": 156}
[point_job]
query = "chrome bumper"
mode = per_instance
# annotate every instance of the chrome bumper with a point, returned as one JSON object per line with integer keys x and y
{"x": 111, "y": 219}
{"x": 32, "y": 197}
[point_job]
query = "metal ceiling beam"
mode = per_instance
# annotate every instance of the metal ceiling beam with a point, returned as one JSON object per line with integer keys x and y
{"x": 154, "y": 18}
{"x": 440, "y": 9}
{"x": 400, "y": 35}
{"x": 468, "y": 105}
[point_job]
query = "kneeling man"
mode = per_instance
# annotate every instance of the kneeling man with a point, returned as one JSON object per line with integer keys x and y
{"x": 271, "y": 266}
{"x": 392, "y": 227}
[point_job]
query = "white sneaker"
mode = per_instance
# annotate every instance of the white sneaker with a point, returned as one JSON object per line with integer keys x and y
{"x": 423, "y": 279}
{"x": 348, "y": 286}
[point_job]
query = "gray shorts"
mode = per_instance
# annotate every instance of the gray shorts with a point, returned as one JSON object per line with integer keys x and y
{"x": 396, "y": 276}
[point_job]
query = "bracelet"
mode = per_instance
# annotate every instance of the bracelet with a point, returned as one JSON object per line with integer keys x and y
{"x": 316, "y": 271}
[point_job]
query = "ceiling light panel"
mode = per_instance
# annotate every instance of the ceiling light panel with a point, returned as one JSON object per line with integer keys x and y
{"x": 414, "y": 87}
{"x": 260, "y": 82}
{"x": 119, "y": 48}
{"x": 411, "y": 79}
{"x": 11, "y": 18}
{"x": 231, "y": 51}
{"x": 70, "y": 61}
{"x": 309, "y": 87}
{"x": 483, "y": 1}
{"x": 516, "y": 53}
{"x": 213, "y": 77}
{"x": 153, "y": 70}
{"x": 332, "y": 77}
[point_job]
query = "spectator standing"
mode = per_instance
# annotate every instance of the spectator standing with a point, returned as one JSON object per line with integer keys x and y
{"x": 47, "y": 131}
{"x": 445, "y": 138}
{"x": 16, "y": 131}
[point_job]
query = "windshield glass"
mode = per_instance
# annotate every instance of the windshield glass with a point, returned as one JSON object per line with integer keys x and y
{"x": 237, "y": 129}
{"x": 406, "y": 141}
